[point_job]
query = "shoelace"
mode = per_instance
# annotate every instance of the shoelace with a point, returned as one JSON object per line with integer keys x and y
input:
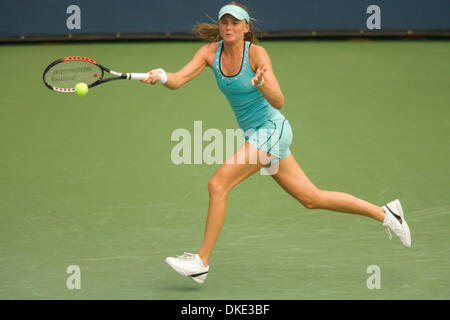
{"x": 186, "y": 256}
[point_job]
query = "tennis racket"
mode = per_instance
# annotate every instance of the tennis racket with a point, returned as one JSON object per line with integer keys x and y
{"x": 63, "y": 74}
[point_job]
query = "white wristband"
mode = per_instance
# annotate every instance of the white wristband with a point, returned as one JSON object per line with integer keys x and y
{"x": 162, "y": 75}
{"x": 260, "y": 84}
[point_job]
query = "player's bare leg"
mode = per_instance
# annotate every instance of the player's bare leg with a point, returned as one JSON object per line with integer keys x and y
{"x": 245, "y": 162}
{"x": 292, "y": 179}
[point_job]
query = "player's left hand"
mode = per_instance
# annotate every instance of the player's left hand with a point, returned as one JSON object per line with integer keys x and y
{"x": 258, "y": 78}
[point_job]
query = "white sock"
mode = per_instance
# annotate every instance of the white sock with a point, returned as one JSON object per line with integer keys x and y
{"x": 386, "y": 217}
{"x": 200, "y": 260}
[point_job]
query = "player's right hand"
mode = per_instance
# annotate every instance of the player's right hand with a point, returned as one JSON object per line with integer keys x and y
{"x": 154, "y": 76}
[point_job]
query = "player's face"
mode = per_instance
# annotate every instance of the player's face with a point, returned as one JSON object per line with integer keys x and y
{"x": 232, "y": 29}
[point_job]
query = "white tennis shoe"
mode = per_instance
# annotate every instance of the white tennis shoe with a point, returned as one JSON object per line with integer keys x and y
{"x": 395, "y": 221}
{"x": 189, "y": 265}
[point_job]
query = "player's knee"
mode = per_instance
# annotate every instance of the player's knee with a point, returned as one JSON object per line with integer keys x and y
{"x": 312, "y": 201}
{"x": 309, "y": 204}
{"x": 216, "y": 187}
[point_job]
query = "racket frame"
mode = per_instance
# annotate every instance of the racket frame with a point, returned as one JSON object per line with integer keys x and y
{"x": 118, "y": 75}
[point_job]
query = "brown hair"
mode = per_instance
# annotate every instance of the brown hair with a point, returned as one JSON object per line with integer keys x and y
{"x": 210, "y": 31}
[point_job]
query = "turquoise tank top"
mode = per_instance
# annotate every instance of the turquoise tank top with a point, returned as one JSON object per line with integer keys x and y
{"x": 250, "y": 107}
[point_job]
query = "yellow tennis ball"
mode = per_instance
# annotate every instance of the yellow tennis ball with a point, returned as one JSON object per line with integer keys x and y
{"x": 81, "y": 88}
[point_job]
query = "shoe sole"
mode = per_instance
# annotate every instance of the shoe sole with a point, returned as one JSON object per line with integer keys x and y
{"x": 197, "y": 280}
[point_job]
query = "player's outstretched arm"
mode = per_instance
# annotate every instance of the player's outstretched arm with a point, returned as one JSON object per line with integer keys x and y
{"x": 187, "y": 73}
{"x": 265, "y": 79}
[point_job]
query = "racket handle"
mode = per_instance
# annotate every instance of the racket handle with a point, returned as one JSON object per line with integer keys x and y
{"x": 138, "y": 76}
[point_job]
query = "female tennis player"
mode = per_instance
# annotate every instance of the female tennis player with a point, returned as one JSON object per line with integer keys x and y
{"x": 244, "y": 73}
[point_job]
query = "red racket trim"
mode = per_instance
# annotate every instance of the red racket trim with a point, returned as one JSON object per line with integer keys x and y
{"x": 76, "y": 58}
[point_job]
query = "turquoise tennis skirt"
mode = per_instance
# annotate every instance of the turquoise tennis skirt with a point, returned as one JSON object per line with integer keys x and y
{"x": 274, "y": 137}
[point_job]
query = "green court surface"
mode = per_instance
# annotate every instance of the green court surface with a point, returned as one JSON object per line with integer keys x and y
{"x": 89, "y": 181}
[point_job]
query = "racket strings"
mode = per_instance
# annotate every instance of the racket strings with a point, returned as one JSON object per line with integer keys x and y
{"x": 68, "y": 73}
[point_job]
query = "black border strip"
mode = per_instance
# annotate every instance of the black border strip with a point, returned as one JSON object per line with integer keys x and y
{"x": 229, "y": 309}
{"x": 264, "y": 35}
